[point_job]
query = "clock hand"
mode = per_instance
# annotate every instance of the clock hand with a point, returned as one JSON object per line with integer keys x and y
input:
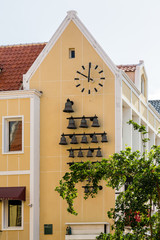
{"x": 89, "y": 68}
{"x": 84, "y": 75}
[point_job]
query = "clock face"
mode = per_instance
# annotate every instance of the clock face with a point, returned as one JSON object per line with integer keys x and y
{"x": 89, "y": 78}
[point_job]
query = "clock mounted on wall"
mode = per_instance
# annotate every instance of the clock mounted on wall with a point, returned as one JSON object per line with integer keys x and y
{"x": 89, "y": 78}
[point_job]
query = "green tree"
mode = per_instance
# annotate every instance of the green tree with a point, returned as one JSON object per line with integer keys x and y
{"x": 139, "y": 172}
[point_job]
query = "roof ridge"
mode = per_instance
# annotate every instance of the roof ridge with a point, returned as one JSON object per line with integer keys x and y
{"x": 22, "y": 44}
{"x": 127, "y": 64}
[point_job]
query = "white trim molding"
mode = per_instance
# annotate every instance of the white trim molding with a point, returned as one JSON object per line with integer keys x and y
{"x": 19, "y": 94}
{"x": 34, "y": 166}
{"x": 118, "y": 113}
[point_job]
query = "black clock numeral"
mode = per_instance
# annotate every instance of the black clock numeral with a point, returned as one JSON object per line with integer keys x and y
{"x": 96, "y": 67}
{"x": 100, "y": 71}
{"x": 89, "y": 91}
{"x": 102, "y": 78}
{"x": 95, "y": 89}
{"x": 100, "y": 84}
{"x": 76, "y": 79}
{"x": 83, "y": 67}
{"x": 78, "y": 85}
{"x": 82, "y": 89}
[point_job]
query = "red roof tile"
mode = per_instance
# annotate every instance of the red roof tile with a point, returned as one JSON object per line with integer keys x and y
{"x": 14, "y": 62}
{"x": 128, "y": 68}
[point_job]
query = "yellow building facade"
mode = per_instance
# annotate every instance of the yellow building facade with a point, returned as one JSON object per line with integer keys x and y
{"x": 72, "y": 66}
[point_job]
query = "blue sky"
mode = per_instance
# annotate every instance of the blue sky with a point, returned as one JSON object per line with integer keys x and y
{"x": 128, "y": 30}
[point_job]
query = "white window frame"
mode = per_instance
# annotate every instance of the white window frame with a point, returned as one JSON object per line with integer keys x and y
{"x": 5, "y": 134}
{"x": 5, "y": 216}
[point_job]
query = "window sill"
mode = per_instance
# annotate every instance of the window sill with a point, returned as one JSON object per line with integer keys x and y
{"x": 14, "y": 152}
{"x": 13, "y": 229}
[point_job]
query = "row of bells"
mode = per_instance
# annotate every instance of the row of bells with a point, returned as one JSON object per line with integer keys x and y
{"x": 83, "y": 140}
{"x": 89, "y": 153}
{"x": 83, "y": 123}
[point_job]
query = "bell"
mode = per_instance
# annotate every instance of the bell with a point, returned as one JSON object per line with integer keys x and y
{"x": 80, "y": 153}
{"x": 99, "y": 154}
{"x": 104, "y": 137}
{"x": 68, "y": 106}
{"x": 71, "y": 153}
{"x": 95, "y": 122}
{"x": 74, "y": 139}
{"x": 63, "y": 140}
{"x": 89, "y": 153}
{"x": 84, "y": 139}
{"x": 70, "y": 163}
{"x": 94, "y": 139}
{"x": 71, "y": 124}
{"x": 83, "y": 123}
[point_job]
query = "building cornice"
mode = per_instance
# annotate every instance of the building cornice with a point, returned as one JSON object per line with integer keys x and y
{"x": 19, "y": 94}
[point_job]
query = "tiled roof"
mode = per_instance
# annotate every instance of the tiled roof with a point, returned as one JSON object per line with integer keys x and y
{"x": 15, "y": 61}
{"x": 155, "y": 104}
{"x": 128, "y": 68}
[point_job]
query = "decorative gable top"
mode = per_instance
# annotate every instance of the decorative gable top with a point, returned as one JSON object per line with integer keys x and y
{"x": 15, "y": 61}
{"x": 71, "y": 16}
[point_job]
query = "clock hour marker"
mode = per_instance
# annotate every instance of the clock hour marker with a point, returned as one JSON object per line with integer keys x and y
{"x": 96, "y": 67}
{"x": 76, "y": 79}
{"x": 101, "y": 71}
{"x": 102, "y": 78}
{"x": 83, "y": 67}
{"x": 78, "y": 85}
{"x": 95, "y": 89}
{"x": 82, "y": 90}
{"x": 89, "y": 91}
{"x": 100, "y": 84}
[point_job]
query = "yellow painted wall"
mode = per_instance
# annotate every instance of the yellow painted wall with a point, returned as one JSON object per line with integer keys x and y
{"x": 143, "y": 110}
{"x": 135, "y": 101}
{"x": 126, "y": 91}
{"x": 55, "y": 77}
{"x": 151, "y": 118}
{"x": 16, "y": 162}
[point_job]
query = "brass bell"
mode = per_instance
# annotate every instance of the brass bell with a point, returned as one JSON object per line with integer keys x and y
{"x": 95, "y": 122}
{"x": 71, "y": 153}
{"x": 94, "y": 139}
{"x": 104, "y": 137}
{"x": 68, "y": 106}
{"x": 71, "y": 124}
{"x": 80, "y": 153}
{"x": 83, "y": 123}
{"x": 63, "y": 140}
{"x": 89, "y": 153}
{"x": 99, "y": 154}
{"x": 74, "y": 140}
{"x": 84, "y": 139}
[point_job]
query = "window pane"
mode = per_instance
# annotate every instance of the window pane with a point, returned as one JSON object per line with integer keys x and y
{"x": 15, "y": 135}
{"x": 14, "y": 213}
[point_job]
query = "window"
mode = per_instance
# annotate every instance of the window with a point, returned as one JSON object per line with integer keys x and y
{"x": 71, "y": 53}
{"x": 12, "y": 134}
{"x": 12, "y": 214}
